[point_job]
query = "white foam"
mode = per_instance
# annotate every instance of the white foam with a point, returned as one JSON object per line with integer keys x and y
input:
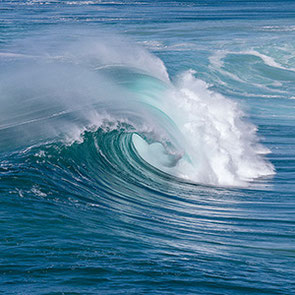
{"x": 216, "y": 59}
{"x": 279, "y": 28}
{"x": 82, "y": 2}
{"x": 267, "y": 60}
{"x": 220, "y": 147}
{"x": 153, "y": 44}
{"x": 10, "y": 54}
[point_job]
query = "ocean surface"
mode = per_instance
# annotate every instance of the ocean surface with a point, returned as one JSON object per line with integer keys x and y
{"x": 147, "y": 147}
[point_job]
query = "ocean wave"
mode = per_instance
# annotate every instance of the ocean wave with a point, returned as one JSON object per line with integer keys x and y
{"x": 182, "y": 129}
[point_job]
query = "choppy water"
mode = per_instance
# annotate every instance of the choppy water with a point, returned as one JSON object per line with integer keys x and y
{"x": 147, "y": 147}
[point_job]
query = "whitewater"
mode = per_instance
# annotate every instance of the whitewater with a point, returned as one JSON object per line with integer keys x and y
{"x": 147, "y": 147}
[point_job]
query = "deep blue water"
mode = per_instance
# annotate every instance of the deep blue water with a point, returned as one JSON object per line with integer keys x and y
{"x": 147, "y": 147}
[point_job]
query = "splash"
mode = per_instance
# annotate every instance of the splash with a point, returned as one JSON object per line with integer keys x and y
{"x": 219, "y": 146}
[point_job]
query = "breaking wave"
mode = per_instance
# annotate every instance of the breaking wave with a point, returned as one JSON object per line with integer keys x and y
{"x": 112, "y": 103}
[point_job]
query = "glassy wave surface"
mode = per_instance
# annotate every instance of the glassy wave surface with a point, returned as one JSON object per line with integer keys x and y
{"x": 147, "y": 147}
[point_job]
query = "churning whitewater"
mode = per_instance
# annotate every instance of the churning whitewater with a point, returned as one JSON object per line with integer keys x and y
{"x": 180, "y": 127}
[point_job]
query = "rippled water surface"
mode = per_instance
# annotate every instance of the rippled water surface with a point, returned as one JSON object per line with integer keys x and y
{"x": 147, "y": 147}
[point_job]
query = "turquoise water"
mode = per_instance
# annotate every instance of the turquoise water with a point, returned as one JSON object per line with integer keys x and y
{"x": 147, "y": 147}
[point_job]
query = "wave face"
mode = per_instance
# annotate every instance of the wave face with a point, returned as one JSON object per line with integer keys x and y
{"x": 150, "y": 157}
